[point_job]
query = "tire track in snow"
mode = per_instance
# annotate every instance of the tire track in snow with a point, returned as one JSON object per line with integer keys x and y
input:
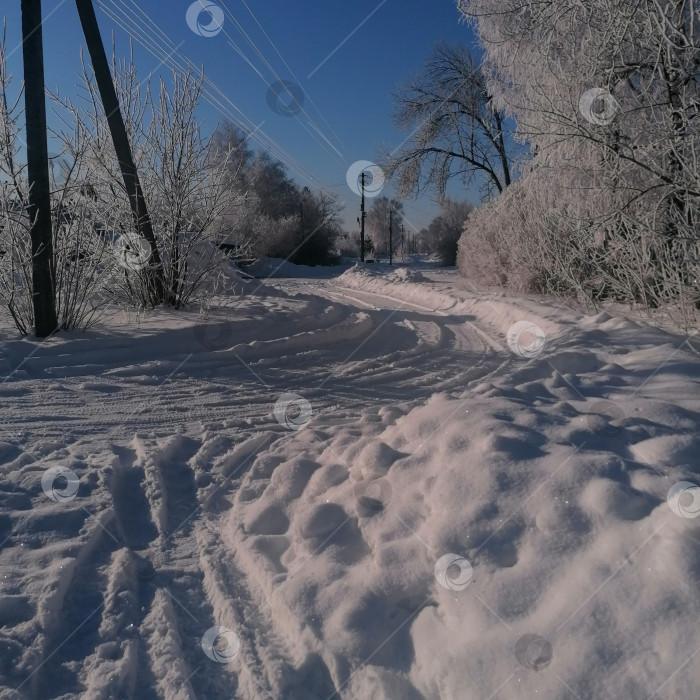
{"x": 156, "y": 590}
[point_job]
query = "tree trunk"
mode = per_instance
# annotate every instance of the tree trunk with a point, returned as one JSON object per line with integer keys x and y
{"x": 39, "y": 204}
{"x": 500, "y": 143}
{"x": 122, "y": 147}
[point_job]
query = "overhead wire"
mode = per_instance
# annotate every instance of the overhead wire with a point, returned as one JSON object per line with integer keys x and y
{"x": 162, "y": 47}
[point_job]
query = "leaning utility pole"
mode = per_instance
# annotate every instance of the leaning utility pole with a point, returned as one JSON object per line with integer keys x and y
{"x": 362, "y": 219}
{"x": 39, "y": 200}
{"x": 110, "y": 102}
{"x": 391, "y": 232}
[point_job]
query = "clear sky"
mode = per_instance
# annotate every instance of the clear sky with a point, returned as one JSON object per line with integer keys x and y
{"x": 347, "y": 57}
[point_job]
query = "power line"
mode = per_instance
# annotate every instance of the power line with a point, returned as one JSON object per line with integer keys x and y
{"x": 126, "y": 19}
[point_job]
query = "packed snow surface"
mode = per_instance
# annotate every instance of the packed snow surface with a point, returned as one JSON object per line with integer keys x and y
{"x": 374, "y": 484}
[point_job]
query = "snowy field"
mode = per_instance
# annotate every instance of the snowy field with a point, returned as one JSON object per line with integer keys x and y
{"x": 367, "y": 485}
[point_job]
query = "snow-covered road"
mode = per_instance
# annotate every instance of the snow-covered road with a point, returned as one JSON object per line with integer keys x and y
{"x": 136, "y": 412}
{"x": 192, "y": 542}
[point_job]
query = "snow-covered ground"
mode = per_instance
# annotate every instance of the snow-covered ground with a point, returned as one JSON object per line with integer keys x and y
{"x": 378, "y": 484}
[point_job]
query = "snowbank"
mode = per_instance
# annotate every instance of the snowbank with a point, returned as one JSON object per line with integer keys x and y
{"x": 514, "y": 542}
{"x": 384, "y": 492}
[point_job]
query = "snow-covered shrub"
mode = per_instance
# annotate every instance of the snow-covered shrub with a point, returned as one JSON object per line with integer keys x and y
{"x": 188, "y": 192}
{"x": 507, "y": 241}
{"x": 479, "y": 256}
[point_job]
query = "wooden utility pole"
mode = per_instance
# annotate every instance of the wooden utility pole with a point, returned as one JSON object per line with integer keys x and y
{"x": 39, "y": 202}
{"x": 362, "y": 219}
{"x": 110, "y": 102}
{"x": 391, "y": 233}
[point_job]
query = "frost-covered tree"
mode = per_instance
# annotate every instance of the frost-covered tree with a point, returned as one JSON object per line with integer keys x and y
{"x": 186, "y": 190}
{"x": 152, "y": 276}
{"x": 377, "y": 223}
{"x": 454, "y": 129}
{"x": 443, "y": 232}
{"x": 607, "y": 93}
{"x": 229, "y": 142}
{"x": 276, "y": 218}
{"x": 319, "y": 227}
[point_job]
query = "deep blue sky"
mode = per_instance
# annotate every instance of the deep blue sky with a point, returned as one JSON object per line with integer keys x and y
{"x": 347, "y": 97}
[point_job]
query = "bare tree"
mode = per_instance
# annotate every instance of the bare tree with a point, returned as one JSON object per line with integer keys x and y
{"x": 454, "y": 129}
